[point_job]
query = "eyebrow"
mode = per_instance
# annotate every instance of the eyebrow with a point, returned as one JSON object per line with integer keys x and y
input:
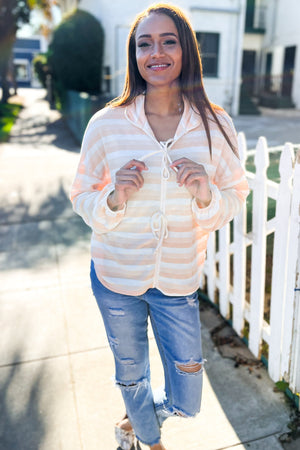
{"x": 161, "y": 35}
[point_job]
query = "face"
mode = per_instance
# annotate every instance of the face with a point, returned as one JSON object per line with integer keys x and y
{"x": 158, "y": 51}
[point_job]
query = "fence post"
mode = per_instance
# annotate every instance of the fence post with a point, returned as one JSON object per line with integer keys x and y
{"x": 239, "y": 255}
{"x": 293, "y": 255}
{"x": 293, "y": 353}
{"x": 294, "y": 377}
{"x": 258, "y": 266}
{"x": 279, "y": 302}
{"x": 211, "y": 266}
{"x": 224, "y": 241}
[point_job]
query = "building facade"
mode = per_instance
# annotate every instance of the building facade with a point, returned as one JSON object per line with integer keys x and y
{"x": 271, "y": 56}
{"x": 280, "y": 53}
{"x": 24, "y": 52}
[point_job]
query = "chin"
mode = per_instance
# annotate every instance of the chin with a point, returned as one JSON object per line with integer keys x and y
{"x": 162, "y": 83}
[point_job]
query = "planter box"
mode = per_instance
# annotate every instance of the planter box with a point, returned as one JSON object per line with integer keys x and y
{"x": 79, "y": 108}
{"x": 275, "y": 101}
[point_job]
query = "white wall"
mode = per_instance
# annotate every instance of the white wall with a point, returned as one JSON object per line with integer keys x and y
{"x": 220, "y": 89}
{"x": 252, "y": 42}
{"x": 283, "y": 31}
{"x": 283, "y": 22}
{"x": 221, "y": 16}
{"x": 296, "y": 85}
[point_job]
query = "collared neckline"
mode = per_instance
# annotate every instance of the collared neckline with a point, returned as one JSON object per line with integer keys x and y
{"x": 135, "y": 113}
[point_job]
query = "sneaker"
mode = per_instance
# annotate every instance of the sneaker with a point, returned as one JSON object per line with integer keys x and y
{"x": 124, "y": 438}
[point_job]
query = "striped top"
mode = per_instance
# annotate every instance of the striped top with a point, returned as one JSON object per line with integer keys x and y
{"x": 159, "y": 238}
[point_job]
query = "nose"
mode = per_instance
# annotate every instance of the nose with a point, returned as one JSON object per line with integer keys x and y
{"x": 157, "y": 50}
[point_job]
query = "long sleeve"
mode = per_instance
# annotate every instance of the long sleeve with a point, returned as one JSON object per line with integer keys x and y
{"x": 229, "y": 188}
{"x": 93, "y": 183}
{"x": 132, "y": 253}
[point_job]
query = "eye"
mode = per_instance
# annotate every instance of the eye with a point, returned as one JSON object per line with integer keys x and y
{"x": 170, "y": 42}
{"x": 143, "y": 44}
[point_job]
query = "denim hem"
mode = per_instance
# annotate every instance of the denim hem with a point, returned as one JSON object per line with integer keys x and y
{"x": 156, "y": 441}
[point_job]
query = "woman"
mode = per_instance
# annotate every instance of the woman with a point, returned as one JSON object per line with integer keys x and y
{"x": 158, "y": 171}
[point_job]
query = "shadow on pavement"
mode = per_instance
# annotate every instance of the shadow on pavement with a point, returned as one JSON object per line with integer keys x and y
{"x": 38, "y": 132}
{"x": 256, "y": 413}
{"x": 39, "y": 125}
{"x": 50, "y": 207}
{"x": 22, "y": 423}
{"x": 29, "y": 232}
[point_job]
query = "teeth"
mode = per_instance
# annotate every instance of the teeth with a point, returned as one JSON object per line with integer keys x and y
{"x": 159, "y": 65}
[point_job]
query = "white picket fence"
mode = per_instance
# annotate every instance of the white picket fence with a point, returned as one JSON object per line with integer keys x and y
{"x": 226, "y": 265}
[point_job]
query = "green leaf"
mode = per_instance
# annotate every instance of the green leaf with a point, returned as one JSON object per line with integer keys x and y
{"x": 282, "y": 385}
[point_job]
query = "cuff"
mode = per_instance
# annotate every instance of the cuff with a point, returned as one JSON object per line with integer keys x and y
{"x": 119, "y": 212}
{"x": 212, "y": 208}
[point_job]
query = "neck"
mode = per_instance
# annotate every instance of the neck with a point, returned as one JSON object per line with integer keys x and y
{"x": 163, "y": 101}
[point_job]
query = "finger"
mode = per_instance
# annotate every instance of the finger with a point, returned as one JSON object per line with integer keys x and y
{"x": 187, "y": 168}
{"x": 180, "y": 164}
{"x": 123, "y": 184}
{"x": 139, "y": 165}
{"x": 132, "y": 178}
{"x": 184, "y": 174}
{"x": 130, "y": 174}
{"x": 197, "y": 173}
{"x": 180, "y": 161}
{"x": 185, "y": 162}
{"x": 195, "y": 177}
{"x": 126, "y": 184}
{"x": 184, "y": 167}
{"x": 194, "y": 167}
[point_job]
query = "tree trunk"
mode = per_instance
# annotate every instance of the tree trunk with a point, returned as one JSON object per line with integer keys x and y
{"x": 4, "y": 82}
{"x": 13, "y": 13}
{"x": 5, "y": 62}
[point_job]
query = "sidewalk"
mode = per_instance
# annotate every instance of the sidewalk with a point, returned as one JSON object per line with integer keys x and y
{"x": 277, "y": 125}
{"x": 56, "y": 390}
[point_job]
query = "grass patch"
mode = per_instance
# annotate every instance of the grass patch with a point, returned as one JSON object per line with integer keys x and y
{"x": 8, "y": 114}
{"x": 273, "y": 169}
{"x": 272, "y": 174}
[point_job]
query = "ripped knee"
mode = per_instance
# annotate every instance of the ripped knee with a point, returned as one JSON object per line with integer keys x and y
{"x": 126, "y": 385}
{"x": 192, "y": 367}
{"x": 189, "y": 368}
{"x": 131, "y": 385}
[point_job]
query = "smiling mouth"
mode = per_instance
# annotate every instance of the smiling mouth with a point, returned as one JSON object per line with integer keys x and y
{"x": 158, "y": 66}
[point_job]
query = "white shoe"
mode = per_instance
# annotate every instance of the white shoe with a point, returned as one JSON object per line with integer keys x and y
{"x": 124, "y": 438}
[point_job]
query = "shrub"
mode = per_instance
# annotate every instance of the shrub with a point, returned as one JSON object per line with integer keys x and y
{"x": 76, "y": 53}
{"x": 40, "y": 64}
{"x": 8, "y": 114}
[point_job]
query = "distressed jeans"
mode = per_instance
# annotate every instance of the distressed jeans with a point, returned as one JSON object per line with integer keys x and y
{"x": 176, "y": 326}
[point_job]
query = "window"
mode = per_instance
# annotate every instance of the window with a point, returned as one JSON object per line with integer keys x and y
{"x": 209, "y": 50}
{"x": 22, "y": 69}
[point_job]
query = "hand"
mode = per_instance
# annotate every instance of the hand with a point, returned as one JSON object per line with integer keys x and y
{"x": 128, "y": 180}
{"x": 194, "y": 177}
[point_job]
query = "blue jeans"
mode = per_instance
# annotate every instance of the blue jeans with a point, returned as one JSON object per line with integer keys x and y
{"x": 176, "y": 326}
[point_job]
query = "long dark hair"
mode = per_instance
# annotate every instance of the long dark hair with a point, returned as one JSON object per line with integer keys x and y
{"x": 191, "y": 78}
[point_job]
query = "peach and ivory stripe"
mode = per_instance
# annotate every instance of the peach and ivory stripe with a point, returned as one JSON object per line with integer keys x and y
{"x": 159, "y": 238}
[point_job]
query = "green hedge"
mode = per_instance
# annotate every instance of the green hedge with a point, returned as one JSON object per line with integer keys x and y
{"x": 40, "y": 64}
{"x": 76, "y": 54}
{"x": 8, "y": 114}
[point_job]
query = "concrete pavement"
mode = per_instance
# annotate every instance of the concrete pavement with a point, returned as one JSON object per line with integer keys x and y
{"x": 56, "y": 390}
{"x": 277, "y": 125}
